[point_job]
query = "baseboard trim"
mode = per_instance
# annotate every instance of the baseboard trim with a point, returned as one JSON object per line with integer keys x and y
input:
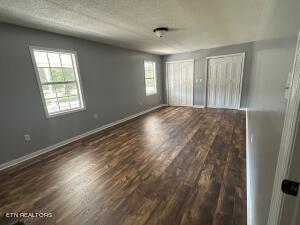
{"x": 199, "y": 106}
{"x": 248, "y": 175}
{"x": 76, "y": 138}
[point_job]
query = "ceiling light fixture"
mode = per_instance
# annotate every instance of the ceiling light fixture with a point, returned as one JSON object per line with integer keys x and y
{"x": 160, "y": 31}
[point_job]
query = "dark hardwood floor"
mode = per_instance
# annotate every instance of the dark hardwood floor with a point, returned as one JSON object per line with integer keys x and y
{"x": 173, "y": 166}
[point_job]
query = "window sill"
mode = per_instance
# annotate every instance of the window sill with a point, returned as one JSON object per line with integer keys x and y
{"x": 64, "y": 113}
{"x": 150, "y": 94}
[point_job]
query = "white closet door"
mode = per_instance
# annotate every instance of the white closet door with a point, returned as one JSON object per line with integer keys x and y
{"x": 224, "y": 82}
{"x": 189, "y": 74}
{"x": 180, "y": 83}
{"x": 170, "y": 68}
{"x": 177, "y": 84}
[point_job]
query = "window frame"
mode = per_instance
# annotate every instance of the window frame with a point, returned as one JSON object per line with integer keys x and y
{"x": 77, "y": 75}
{"x": 154, "y": 78}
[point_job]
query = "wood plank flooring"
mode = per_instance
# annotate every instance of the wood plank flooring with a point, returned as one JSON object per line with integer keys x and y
{"x": 173, "y": 166}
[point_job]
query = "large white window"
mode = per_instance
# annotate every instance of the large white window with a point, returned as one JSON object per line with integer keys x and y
{"x": 150, "y": 77}
{"x": 58, "y": 77}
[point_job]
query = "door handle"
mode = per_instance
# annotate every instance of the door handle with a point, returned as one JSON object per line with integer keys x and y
{"x": 290, "y": 187}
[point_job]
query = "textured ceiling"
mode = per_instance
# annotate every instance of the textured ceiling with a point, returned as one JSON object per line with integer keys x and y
{"x": 195, "y": 24}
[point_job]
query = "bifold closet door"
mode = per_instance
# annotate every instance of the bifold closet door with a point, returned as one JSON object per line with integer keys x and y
{"x": 180, "y": 83}
{"x": 224, "y": 81}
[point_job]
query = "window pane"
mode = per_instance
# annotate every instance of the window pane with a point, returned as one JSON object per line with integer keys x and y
{"x": 149, "y": 74}
{"x": 74, "y": 102}
{"x": 148, "y": 66}
{"x": 54, "y": 59}
{"x": 45, "y": 75}
{"x": 52, "y": 105}
{"x": 49, "y": 91}
{"x": 58, "y": 78}
{"x": 41, "y": 59}
{"x": 57, "y": 74}
{"x": 61, "y": 90}
{"x": 64, "y": 103}
{"x": 150, "y": 78}
{"x": 66, "y": 60}
{"x": 150, "y": 90}
{"x": 72, "y": 88}
{"x": 149, "y": 82}
{"x": 69, "y": 74}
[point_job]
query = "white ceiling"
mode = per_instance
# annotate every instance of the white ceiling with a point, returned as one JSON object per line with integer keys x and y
{"x": 195, "y": 24}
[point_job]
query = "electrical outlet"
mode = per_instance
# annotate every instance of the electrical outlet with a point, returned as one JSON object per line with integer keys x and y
{"x": 251, "y": 138}
{"x": 95, "y": 116}
{"x": 27, "y": 137}
{"x": 160, "y": 98}
{"x": 200, "y": 80}
{"x": 141, "y": 103}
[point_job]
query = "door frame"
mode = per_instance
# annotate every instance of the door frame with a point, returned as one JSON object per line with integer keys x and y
{"x": 167, "y": 79}
{"x": 287, "y": 146}
{"x": 206, "y": 74}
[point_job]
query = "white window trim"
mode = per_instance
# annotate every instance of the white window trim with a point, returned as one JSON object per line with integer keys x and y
{"x": 153, "y": 62}
{"x": 80, "y": 90}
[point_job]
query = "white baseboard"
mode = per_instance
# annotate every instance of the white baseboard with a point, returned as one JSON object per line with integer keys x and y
{"x": 248, "y": 175}
{"x": 199, "y": 106}
{"x": 70, "y": 140}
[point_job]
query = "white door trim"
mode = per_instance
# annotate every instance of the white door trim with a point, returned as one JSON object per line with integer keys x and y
{"x": 223, "y": 56}
{"x": 206, "y": 74}
{"x": 167, "y": 80}
{"x": 290, "y": 129}
{"x": 248, "y": 175}
{"x": 181, "y": 61}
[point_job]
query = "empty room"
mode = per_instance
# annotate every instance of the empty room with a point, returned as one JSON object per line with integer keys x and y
{"x": 149, "y": 112}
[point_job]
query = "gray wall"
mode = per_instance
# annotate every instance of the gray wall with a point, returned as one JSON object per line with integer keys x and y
{"x": 113, "y": 86}
{"x": 273, "y": 59}
{"x": 200, "y": 56}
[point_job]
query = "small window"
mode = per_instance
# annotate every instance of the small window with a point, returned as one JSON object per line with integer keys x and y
{"x": 58, "y": 77}
{"x": 150, "y": 78}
